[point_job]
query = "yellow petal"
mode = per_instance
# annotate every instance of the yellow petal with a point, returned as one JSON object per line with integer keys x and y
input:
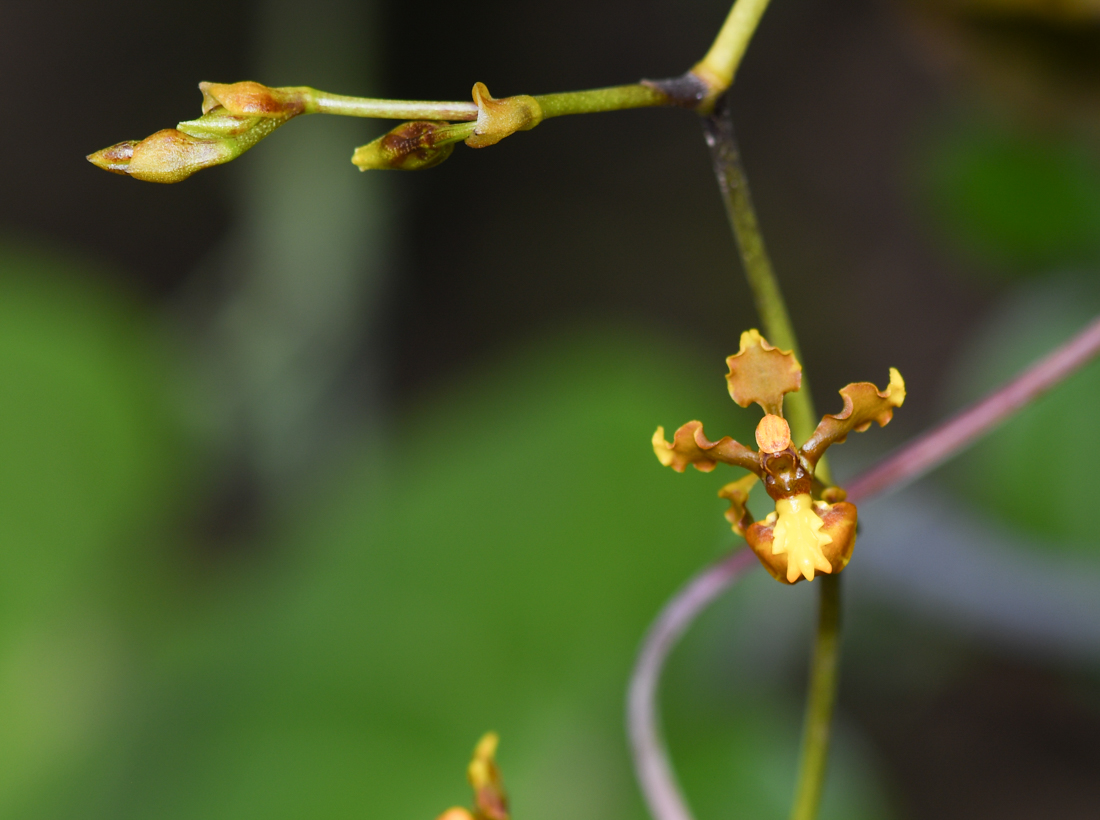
{"x": 863, "y": 404}
{"x": 763, "y": 374}
{"x": 798, "y": 534}
{"x": 689, "y": 445}
{"x": 737, "y": 493}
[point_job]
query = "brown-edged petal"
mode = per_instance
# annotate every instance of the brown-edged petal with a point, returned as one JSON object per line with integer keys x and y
{"x": 690, "y": 446}
{"x": 737, "y": 492}
{"x": 863, "y": 403}
{"x": 763, "y": 374}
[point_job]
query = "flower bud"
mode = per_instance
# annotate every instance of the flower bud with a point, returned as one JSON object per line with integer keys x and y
{"x": 497, "y": 119}
{"x": 174, "y": 154}
{"x": 249, "y": 99}
{"x": 166, "y": 156}
{"x": 411, "y": 146}
{"x": 484, "y": 776}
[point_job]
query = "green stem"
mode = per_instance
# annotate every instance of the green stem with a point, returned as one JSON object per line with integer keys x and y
{"x": 798, "y": 407}
{"x": 734, "y": 185}
{"x": 592, "y": 101}
{"x": 719, "y": 65}
{"x": 616, "y": 98}
{"x": 321, "y": 102}
{"x": 820, "y": 701}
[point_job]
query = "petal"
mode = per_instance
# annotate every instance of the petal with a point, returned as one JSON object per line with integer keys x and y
{"x": 838, "y": 523}
{"x": 738, "y": 494}
{"x": 763, "y": 374}
{"x": 863, "y": 403}
{"x": 690, "y": 446}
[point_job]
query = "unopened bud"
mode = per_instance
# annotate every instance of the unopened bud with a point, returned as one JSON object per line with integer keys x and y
{"x": 174, "y": 154}
{"x": 411, "y": 146}
{"x": 484, "y": 776}
{"x": 249, "y": 99}
{"x": 497, "y": 119}
{"x": 166, "y": 156}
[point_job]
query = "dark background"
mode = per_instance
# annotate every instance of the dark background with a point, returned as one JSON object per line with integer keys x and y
{"x": 314, "y": 475}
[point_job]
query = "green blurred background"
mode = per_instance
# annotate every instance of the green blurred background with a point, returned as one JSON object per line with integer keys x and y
{"x": 309, "y": 477}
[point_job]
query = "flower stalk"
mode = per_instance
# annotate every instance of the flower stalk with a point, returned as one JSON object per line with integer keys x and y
{"x": 734, "y": 186}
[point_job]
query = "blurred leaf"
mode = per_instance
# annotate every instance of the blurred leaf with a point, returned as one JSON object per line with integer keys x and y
{"x": 1033, "y": 472}
{"x": 491, "y": 564}
{"x": 90, "y": 458}
{"x": 1015, "y": 202}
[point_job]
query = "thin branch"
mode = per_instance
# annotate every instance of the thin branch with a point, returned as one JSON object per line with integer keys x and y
{"x": 322, "y": 102}
{"x": 932, "y": 449}
{"x": 651, "y": 762}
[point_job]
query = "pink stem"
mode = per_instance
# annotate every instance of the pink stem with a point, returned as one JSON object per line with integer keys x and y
{"x": 651, "y": 762}
{"x": 930, "y": 450}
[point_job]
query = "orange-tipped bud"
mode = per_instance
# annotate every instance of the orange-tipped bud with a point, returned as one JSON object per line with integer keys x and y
{"x": 174, "y": 154}
{"x": 249, "y": 99}
{"x": 166, "y": 156}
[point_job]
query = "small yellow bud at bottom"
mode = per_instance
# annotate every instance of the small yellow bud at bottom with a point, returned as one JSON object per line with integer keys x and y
{"x": 798, "y": 534}
{"x": 456, "y": 814}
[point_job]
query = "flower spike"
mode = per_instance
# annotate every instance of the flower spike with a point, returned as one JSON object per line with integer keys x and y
{"x": 813, "y": 528}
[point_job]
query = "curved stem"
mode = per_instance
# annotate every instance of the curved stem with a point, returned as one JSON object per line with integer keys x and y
{"x": 651, "y": 762}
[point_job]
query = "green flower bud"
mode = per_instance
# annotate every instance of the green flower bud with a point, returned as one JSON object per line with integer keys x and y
{"x": 221, "y": 134}
{"x": 411, "y": 146}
